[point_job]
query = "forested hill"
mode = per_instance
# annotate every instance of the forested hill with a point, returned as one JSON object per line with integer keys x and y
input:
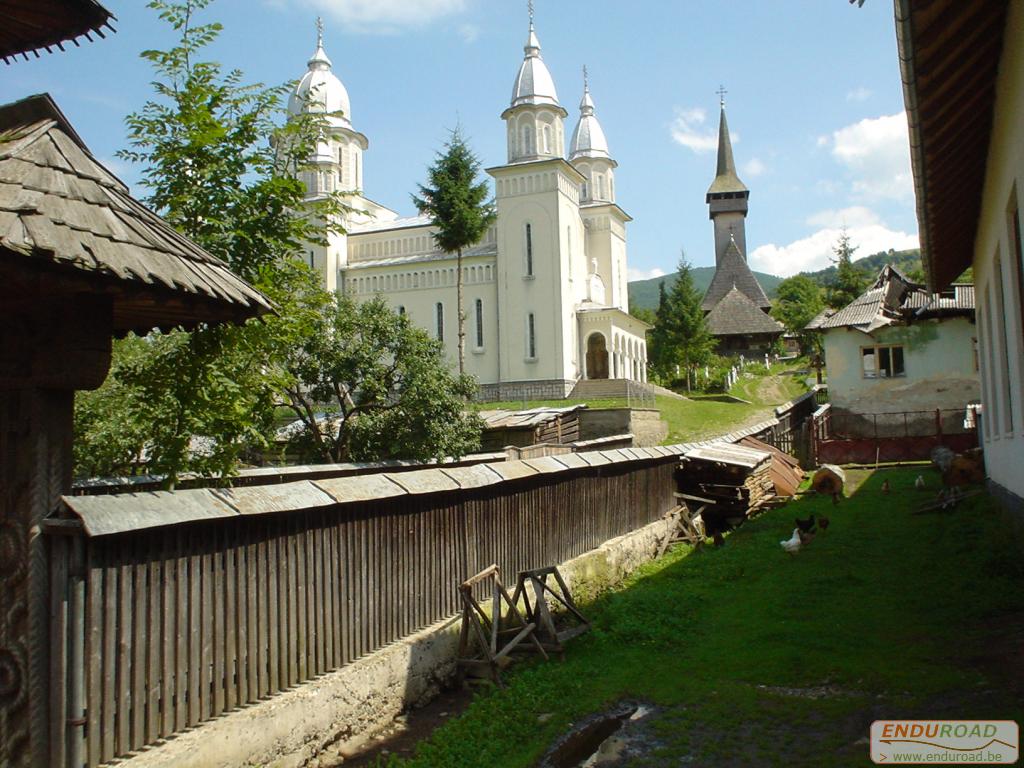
{"x": 644, "y": 293}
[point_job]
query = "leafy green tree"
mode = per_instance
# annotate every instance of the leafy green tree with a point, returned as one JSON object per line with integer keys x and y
{"x": 458, "y": 206}
{"x": 849, "y": 281}
{"x": 680, "y": 338}
{"x": 367, "y": 385}
{"x": 222, "y": 170}
{"x": 798, "y": 300}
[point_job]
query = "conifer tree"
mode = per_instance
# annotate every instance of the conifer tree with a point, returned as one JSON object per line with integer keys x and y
{"x": 849, "y": 282}
{"x": 458, "y": 206}
{"x": 681, "y": 337}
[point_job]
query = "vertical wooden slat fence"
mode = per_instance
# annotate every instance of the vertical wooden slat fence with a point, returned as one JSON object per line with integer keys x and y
{"x": 186, "y": 622}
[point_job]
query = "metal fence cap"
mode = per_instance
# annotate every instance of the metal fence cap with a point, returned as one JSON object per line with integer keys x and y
{"x": 476, "y": 476}
{"x": 123, "y": 512}
{"x": 421, "y": 481}
{"x": 360, "y": 488}
{"x": 282, "y": 497}
{"x": 513, "y": 470}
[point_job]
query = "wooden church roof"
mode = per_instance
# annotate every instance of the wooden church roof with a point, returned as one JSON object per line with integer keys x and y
{"x": 737, "y": 315}
{"x": 732, "y": 272}
{"x": 66, "y": 217}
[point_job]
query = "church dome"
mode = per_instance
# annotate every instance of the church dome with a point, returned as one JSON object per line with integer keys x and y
{"x": 320, "y": 90}
{"x": 588, "y": 140}
{"x": 534, "y": 84}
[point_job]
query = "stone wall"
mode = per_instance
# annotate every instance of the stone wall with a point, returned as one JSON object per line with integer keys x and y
{"x": 645, "y": 424}
{"x": 327, "y": 717}
{"x": 543, "y": 389}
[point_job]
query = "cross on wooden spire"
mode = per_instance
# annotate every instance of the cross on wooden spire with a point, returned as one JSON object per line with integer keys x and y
{"x": 721, "y": 95}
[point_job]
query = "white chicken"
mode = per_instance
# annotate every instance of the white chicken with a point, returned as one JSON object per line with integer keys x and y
{"x": 792, "y": 545}
{"x": 919, "y": 483}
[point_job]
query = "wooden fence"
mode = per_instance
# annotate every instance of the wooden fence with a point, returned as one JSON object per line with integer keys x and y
{"x": 164, "y": 619}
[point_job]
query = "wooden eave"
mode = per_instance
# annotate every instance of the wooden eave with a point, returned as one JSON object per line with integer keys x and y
{"x": 31, "y": 25}
{"x": 949, "y": 60}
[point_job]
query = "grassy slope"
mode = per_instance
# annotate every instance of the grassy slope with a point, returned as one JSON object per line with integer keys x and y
{"x": 900, "y": 613}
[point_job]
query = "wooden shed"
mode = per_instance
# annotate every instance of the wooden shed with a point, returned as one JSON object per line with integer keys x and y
{"x": 80, "y": 261}
{"x": 503, "y": 428}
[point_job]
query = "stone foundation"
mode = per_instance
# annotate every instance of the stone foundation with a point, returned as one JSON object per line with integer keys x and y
{"x": 541, "y": 389}
{"x": 327, "y": 716}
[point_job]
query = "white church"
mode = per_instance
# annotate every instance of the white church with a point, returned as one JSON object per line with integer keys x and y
{"x": 544, "y": 292}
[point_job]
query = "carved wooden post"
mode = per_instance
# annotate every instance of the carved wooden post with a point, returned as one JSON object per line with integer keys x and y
{"x": 49, "y": 346}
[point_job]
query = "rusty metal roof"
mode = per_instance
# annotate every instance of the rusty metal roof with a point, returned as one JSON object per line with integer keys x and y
{"x": 59, "y": 208}
{"x": 29, "y": 25}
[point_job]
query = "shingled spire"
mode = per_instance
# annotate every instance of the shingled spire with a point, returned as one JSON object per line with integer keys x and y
{"x": 727, "y": 196}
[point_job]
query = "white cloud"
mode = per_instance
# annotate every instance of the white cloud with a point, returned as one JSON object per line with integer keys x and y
{"x": 689, "y": 129}
{"x": 859, "y": 94}
{"x": 866, "y": 230}
{"x": 387, "y": 15}
{"x": 640, "y": 274}
{"x": 876, "y": 155}
{"x": 754, "y": 167}
{"x": 469, "y": 33}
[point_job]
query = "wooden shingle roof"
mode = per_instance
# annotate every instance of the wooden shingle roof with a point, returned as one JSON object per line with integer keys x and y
{"x": 737, "y": 315}
{"x": 64, "y": 214}
{"x": 732, "y": 272}
{"x": 29, "y": 25}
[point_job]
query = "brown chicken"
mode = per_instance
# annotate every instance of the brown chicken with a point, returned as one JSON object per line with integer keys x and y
{"x": 823, "y": 523}
{"x": 885, "y": 486}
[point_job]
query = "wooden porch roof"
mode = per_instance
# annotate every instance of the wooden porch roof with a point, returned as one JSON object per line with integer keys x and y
{"x": 949, "y": 57}
{"x": 29, "y": 25}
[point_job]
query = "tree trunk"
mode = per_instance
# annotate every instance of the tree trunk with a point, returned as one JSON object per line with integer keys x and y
{"x": 461, "y": 315}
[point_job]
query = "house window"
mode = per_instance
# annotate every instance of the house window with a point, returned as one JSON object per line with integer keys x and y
{"x": 531, "y": 337}
{"x": 882, "y": 362}
{"x": 479, "y": 306}
{"x": 440, "y": 321}
{"x": 529, "y": 250}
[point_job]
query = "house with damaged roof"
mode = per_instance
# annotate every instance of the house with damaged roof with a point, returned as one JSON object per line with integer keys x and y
{"x": 736, "y": 304}
{"x": 901, "y": 349}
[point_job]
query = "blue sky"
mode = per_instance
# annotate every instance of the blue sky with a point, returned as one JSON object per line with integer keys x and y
{"x": 814, "y": 102}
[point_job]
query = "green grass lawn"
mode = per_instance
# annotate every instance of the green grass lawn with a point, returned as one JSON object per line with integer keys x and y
{"x": 753, "y": 657}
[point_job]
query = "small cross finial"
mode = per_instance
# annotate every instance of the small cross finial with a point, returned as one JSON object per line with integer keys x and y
{"x": 586, "y": 82}
{"x": 721, "y": 95}
{"x": 319, "y": 32}
{"x": 529, "y": 5}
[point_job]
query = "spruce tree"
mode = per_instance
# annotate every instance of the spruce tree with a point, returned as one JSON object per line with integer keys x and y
{"x": 458, "y": 206}
{"x": 680, "y": 337}
{"x": 849, "y": 282}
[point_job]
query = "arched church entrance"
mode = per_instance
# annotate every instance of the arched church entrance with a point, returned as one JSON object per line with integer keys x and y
{"x": 597, "y": 356}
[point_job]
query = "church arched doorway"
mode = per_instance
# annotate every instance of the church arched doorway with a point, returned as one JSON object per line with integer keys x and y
{"x": 597, "y": 356}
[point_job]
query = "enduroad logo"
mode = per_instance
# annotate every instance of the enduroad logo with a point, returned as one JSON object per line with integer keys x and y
{"x": 945, "y": 741}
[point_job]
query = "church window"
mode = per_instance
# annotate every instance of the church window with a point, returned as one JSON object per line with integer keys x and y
{"x": 355, "y": 170}
{"x": 401, "y": 310}
{"x": 611, "y": 187}
{"x": 568, "y": 248}
{"x": 547, "y": 139}
{"x": 312, "y": 263}
{"x": 479, "y": 324}
{"x": 600, "y": 187}
{"x": 583, "y": 192}
{"x": 529, "y": 250}
{"x": 527, "y": 140}
{"x": 531, "y": 337}
{"x": 439, "y": 308}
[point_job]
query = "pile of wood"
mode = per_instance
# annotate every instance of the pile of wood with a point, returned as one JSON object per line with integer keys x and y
{"x": 730, "y": 479}
{"x": 503, "y": 428}
{"x": 786, "y": 471}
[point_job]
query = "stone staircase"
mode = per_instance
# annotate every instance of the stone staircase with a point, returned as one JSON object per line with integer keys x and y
{"x": 606, "y": 389}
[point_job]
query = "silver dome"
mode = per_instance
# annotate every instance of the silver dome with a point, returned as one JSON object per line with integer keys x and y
{"x": 320, "y": 90}
{"x": 533, "y": 84}
{"x": 588, "y": 140}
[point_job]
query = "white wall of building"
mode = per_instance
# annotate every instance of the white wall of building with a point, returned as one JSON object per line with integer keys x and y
{"x": 999, "y": 271}
{"x": 938, "y": 359}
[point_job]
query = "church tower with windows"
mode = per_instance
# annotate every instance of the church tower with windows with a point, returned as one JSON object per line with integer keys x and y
{"x": 541, "y": 265}
{"x": 338, "y": 160}
{"x": 727, "y": 196}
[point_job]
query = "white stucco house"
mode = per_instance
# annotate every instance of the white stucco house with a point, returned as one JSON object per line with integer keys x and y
{"x": 966, "y": 120}
{"x": 900, "y": 349}
{"x": 545, "y": 291}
